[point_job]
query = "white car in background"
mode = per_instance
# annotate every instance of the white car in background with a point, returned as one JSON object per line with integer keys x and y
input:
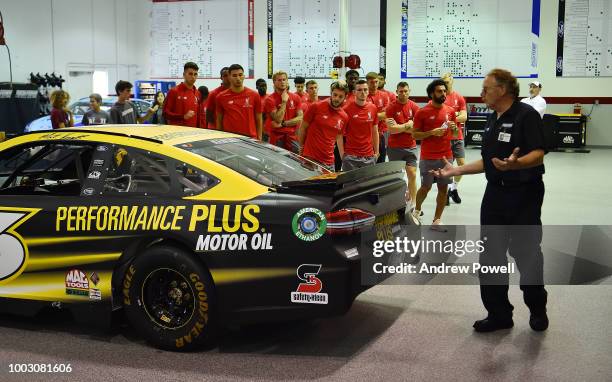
{"x": 80, "y": 107}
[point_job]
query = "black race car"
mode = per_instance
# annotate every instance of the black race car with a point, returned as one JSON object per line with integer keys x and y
{"x": 185, "y": 229}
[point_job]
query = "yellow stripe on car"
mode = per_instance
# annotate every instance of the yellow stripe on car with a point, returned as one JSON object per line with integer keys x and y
{"x": 40, "y": 262}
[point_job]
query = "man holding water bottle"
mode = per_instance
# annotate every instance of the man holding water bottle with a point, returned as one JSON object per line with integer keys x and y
{"x": 435, "y": 126}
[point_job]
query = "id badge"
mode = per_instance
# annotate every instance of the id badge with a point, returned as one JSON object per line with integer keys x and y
{"x": 504, "y": 137}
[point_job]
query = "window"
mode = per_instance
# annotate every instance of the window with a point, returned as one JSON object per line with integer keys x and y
{"x": 47, "y": 169}
{"x": 264, "y": 163}
{"x": 193, "y": 181}
{"x": 135, "y": 171}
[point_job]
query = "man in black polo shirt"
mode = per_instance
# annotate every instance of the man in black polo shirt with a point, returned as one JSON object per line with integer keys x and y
{"x": 513, "y": 162}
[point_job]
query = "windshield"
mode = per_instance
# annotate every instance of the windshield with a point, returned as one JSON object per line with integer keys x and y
{"x": 262, "y": 162}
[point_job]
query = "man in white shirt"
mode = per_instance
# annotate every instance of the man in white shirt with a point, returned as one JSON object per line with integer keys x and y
{"x": 535, "y": 99}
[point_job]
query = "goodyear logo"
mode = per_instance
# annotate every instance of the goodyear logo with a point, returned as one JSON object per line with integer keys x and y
{"x": 213, "y": 219}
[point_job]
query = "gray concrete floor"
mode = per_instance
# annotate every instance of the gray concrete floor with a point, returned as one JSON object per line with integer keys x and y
{"x": 578, "y": 191}
{"x": 392, "y": 332}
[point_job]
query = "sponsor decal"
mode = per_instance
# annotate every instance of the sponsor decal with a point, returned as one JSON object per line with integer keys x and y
{"x": 309, "y": 224}
{"x": 102, "y": 148}
{"x": 95, "y": 279}
{"x": 568, "y": 139}
{"x": 308, "y": 292}
{"x": 77, "y": 283}
{"x": 235, "y": 242}
{"x": 94, "y": 175}
{"x": 211, "y": 219}
{"x": 351, "y": 252}
{"x": 477, "y": 138}
{"x": 98, "y": 162}
{"x": 88, "y": 191}
{"x": 95, "y": 294}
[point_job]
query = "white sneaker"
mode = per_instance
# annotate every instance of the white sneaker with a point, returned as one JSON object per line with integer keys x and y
{"x": 438, "y": 226}
{"x": 416, "y": 215}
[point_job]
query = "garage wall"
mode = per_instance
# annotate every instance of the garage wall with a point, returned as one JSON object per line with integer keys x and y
{"x": 74, "y": 37}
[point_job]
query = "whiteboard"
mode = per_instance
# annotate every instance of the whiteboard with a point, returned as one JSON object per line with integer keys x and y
{"x": 304, "y": 36}
{"x": 201, "y": 31}
{"x": 469, "y": 38}
{"x": 584, "y": 38}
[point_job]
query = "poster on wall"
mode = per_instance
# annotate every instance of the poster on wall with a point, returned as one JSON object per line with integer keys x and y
{"x": 469, "y": 38}
{"x": 202, "y": 32}
{"x": 584, "y": 38}
{"x": 304, "y": 36}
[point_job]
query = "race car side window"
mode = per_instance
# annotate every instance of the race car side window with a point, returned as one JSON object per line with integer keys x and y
{"x": 45, "y": 169}
{"x": 12, "y": 159}
{"x": 135, "y": 171}
{"x": 193, "y": 181}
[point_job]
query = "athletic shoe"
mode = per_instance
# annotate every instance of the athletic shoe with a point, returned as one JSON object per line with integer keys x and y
{"x": 416, "y": 214}
{"x": 448, "y": 198}
{"x": 455, "y": 196}
{"x": 438, "y": 226}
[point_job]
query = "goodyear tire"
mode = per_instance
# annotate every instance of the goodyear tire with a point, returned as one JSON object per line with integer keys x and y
{"x": 169, "y": 299}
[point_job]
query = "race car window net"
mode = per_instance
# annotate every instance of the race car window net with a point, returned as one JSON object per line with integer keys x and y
{"x": 49, "y": 169}
{"x": 133, "y": 171}
{"x": 264, "y": 163}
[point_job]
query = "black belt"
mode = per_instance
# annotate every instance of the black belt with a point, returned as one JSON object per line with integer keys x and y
{"x": 514, "y": 183}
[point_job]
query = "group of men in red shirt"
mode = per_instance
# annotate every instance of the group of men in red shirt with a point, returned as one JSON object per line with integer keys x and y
{"x": 364, "y": 122}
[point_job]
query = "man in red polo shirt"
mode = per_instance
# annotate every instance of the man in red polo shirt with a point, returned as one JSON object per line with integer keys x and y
{"x": 211, "y": 105}
{"x": 312, "y": 89}
{"x": 181, "y": 105}
{"x": 351, "y": 76}
{"x": 283, "y": 108}
{"x": 433, "y": 124}
{"x": 361, "y": 131}
{"x": 322, "y": 127}
{"x": 402, "y": 146}
{"x": 300, "y": 88}
{"x": 381, "y": 87}
{"x": 457, "y": 102}
{"x": 381, "y": 101}
{"x": 239, "y": 108}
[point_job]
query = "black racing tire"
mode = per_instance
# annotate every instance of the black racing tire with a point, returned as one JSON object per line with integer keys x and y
{"x": 169, "y": 299}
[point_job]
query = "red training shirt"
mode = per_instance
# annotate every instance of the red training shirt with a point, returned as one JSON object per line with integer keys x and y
{"x": 380, "y": 99}
{"x": 179, "y": 101}
{"x": 239, "y": 111}
{"x": 324, "y": 124}
{"x": 211, "y": 105}
{"x": 358, "y": 129}
{"x": 429, "y": 118}
{"x": 273, "y": 101}
{"x": 457, "y": 102}
{"x": 402, "y": 113}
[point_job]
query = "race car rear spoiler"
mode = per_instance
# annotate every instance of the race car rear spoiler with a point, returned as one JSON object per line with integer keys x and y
{"x": 348, "y": 182}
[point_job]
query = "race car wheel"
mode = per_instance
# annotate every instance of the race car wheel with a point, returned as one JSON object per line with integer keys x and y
{"x": 169, "y": 298}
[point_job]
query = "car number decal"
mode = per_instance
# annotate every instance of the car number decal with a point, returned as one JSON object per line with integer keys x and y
{"x": 13, "y": 251}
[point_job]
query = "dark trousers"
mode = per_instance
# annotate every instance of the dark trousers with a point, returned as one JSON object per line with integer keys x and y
{"x": 382, "y": 148}
{"x": 510, "y": 219}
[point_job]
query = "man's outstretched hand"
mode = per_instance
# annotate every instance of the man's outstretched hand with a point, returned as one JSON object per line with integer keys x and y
{"x": 447, "y": 171}
{"x": 510, "y": 163}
